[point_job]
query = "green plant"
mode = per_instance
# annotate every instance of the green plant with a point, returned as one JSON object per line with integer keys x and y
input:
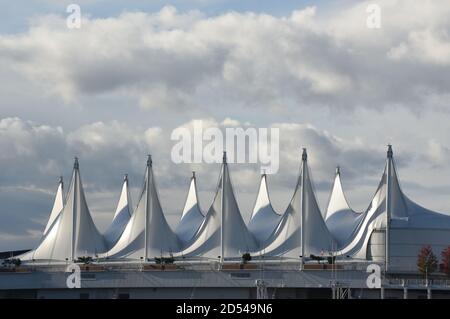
{"x": 316, "y": 258}
{"x": 84, "y": 259}
{"x": 164, "y": 260}
{"x": 246, "y": 258}
{"x": 12, "y": 261}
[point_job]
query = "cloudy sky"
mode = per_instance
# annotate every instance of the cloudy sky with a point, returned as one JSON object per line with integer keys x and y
{"x": 115, "y": 89}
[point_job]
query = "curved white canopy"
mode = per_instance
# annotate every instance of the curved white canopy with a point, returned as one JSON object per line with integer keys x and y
{"x": 58, "y": 205}
{"x": 223, "y": 233}
{"x": 192, "y": 217}
{"x": 147, "y": 234}
{"x": 264, "y": 219}
{"x": 301, "y": 230}
{"x": 121, "y": 216}
{"x": 402, "y": 212}
{"x": 340, "y": 219}
{"x": 73, "y": 233}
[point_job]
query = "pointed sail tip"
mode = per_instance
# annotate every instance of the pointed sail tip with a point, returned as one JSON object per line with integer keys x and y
{"x": 338, "y": 170}
{"x": 125, "y": 178}
{"x": 149, "y": 160}
{"x": 76, "y": 165}
{"x": 193, "y": 174}
{"x": 60, "y": 180}
{"x": 304, "y": 154}
{"x": 390, "y": 153}
{"x": 224, "y": 159}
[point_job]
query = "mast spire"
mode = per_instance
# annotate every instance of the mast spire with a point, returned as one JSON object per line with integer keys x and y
{"x": 149, "y": 160}
{"x": 390, "y": 155}
{"x": 304, "y": 168}
{"x": 149, "y": 166}
{"x": 222, "y": 246}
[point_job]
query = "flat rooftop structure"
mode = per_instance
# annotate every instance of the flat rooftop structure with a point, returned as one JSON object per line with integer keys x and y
{"x": 212, "y": 280}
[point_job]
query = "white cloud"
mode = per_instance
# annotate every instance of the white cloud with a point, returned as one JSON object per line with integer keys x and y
{"x": 174, "y": 60}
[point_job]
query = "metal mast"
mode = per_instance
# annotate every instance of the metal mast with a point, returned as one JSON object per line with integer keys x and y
{"x": 304, "y": 159}
{"x": 222, "y": 248}
{"x": 149, "y": 167}
{"x": 388, "y": 204}
{"x": 76, "y": 167}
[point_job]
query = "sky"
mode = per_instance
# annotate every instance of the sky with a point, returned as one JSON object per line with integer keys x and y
{"x": 114, "y": 90}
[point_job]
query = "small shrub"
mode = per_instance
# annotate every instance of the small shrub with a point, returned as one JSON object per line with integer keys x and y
{"x": 84, "y": 259}
{"x": 246, "y": 258}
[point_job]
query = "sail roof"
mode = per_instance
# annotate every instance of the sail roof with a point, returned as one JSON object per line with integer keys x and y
{"x": 73, "y": 233}
{"x": 58, "y": 205}
{"x": 340, "y": 219}
{"x": 264, "y": 219}
{"x": 147, "y": 234}
{"x": 192, "y": 216}
{"x": 223, "y": 233}
{"x": 402, "y": 212}
{"x": 301, "y": 230}
{"x": 121, "y": 216}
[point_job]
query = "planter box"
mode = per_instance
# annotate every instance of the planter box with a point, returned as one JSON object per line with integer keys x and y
{"x": 160, "y": 267}
{"x": 16, "y": 269}
{"x": 238, "y": 266}
{"x": 92, "y": 268}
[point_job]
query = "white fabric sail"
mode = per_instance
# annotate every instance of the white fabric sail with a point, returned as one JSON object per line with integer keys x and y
{"x": 403, "y": 213}
{"x": 340, "y": 219}
{"x": 264, "y": 219}
{"x": 73, "y": 233}
{"x": 301, "y": 230}
{"x": 223, "y": 233}
{"x": 121, "y": 216}
{"x": 58, "y": 205}
{"x": 192, "y": 217}
{"x": 147, "y": 234}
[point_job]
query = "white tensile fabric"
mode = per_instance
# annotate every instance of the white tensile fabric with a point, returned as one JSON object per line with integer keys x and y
{"x": 73, "y": 233}
{"x": 340, "y": 219}
{"x": 264, "y": 219}
{"x": 58, "y": 205}
{"x": 404, "y": 213}
{"x": 121, "y": 216}
{"x": 302, "y": 215}
{"x": 223, "y": 233}
{"x": 147, "y": 234}
{"x": 192, "y": 216}
{"x": 373, "y": 218}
